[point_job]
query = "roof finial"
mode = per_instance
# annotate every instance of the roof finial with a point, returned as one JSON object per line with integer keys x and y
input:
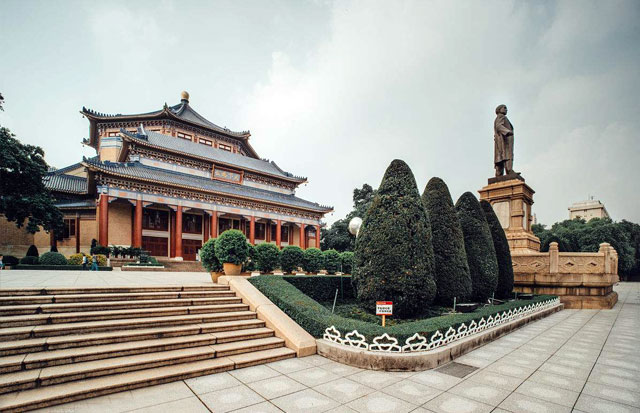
{"x": 185, "y": 96}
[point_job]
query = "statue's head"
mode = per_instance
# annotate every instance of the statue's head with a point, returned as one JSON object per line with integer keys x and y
{"x": 501, "y": 109}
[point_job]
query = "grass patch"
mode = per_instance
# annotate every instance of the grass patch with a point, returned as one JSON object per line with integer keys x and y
{"x": 315, "y": 317}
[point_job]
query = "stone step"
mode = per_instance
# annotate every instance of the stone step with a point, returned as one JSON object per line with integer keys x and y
{"x": 79, "y": 317}
{"x": 44, "y": 359}
{"x": 115, "y": 289}
{"x": 26, "y": 332}
{"x": 224, "y": 330}
{"x": 110, "y": 296}
{"x": 24, "y": 380}
{"x": 112, "y": 305}
{"x": 83, "y": 389}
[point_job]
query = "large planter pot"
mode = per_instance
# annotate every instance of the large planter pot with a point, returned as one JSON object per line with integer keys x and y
{"x": 215, "y": 276}
{"x": 232, "y": 269}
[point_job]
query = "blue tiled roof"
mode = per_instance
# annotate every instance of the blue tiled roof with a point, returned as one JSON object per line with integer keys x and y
{"x": 137, "y": 170}
{"x": 203, "y": 151}
{"x": 65, "y": 183}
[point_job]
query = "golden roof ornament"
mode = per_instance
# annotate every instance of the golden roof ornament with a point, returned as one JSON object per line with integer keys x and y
{"x": 185, "y": 95}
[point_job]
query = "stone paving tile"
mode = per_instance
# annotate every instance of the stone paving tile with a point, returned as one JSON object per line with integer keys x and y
{"x": 520, "y": 403}
{"x": 212, "y": 382}
{"x": 611, "y": 393}
{"x": 344, "y": 390}
{"x": 451, "y": 403}
{"x": 305, "y": 401}
{"x": 264, "y": 407}
{"x": 289, "y": 365}
{"x": 412, "y": 392}
{"x": 497, "y": 380}
{"x": 554, "y": 380}
{"x": 529, "y": 363}
{"x": 434, "y": 379}
{"x": 230, "y": 399}
{"x": 473, "y": 360}
{"x": 509, "y": 369}
{"x": 615, "y": 371}
{"x": 276, "y": 387}
{"x": 590, "y": 404}
{"x": 480, "y": 392}
{"x": 188, "y": 405}
{"x": 342, "y": 409}
{"x": 379, "y": 402}
{"x": 375, "y": 379}
{"x": 255, "y": 373}
{"x": 313, "y": 376}
{"x": 549, "y": 393}
{"x": 565, "y": 370}
{"x": 340, "y": 369}
{"x": 611, "y": 380}
{"x": 317, "y": 360}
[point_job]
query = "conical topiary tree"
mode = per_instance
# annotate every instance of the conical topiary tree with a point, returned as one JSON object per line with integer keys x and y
{"x": 451, "y": 268}
{"x": 394, "y": 256}
{"x": 503, "y": 254}
{"x": 481, "y": 255}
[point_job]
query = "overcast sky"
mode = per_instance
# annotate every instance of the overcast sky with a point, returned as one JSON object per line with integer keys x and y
{"x": 336, "y": 90}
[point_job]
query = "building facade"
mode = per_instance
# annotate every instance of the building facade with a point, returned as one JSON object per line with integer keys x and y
{"x": 587, "y": 210}
{"x": 169, "y": 180}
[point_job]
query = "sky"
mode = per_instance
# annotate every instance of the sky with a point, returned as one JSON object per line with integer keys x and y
{"x": 335, "y": 91}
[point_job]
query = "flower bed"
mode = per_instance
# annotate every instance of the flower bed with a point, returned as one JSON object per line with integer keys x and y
{"x": 316, "y": 318}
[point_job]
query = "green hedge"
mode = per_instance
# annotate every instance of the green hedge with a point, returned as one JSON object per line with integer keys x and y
{"x": 291, "y": 258}
{"x": 322, "y": 288}
{"x": 55, "y": 267}
{"x": 30, "y": 260}
{"x": 52, "y": 258}
{"x": 315, "y": 318}
{"x": 332, "y": 261}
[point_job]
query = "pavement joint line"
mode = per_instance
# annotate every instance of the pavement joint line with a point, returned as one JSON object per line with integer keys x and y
{"x": 197, "y": 396}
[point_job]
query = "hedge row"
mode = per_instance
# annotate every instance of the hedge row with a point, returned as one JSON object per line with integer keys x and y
{"x": 315, "y": 318}
{"x": 322, "y": 288}
{"x": 55, "y": 267}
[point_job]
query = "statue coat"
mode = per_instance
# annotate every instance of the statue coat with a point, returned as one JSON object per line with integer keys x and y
{"x": 503, "y": 139}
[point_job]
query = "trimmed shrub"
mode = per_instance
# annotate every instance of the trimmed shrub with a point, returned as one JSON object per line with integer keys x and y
{"x": 291, "y": 258}
{"x": 451, "y": 268}
{"x": 76, "y": 259}
{"x": 53, "y": 258}
{"x": 99, "y": 249}
{"x": 347, "y": 258}
{"x": 30, "y": 260}
{"x": 332, "y": 261}
{"x": 267, "y": 257}
{"x": 32, "y": 251}
{"x": 312, "y": 260}
{"x": 315, "y": 318}
{"x": 503, "y": 254}
{"x": 481, "y": 254}
{"x": 102, "y": 260}
{"x": 322, "y": 288}
{"x": 10, "y": 260}
{"x": 250, "y": 262}
{"x": 231, "y": 247}
{"x": 208, "y": 256}
{"x": 394, "y": 256}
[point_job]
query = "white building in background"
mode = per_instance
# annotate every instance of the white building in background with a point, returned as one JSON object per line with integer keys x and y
{"x": 588, "y": 209}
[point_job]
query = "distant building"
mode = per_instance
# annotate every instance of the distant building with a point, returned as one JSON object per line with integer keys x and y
{"x": 587, "y": 210}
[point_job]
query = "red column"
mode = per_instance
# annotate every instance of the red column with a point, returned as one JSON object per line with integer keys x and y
{"x": 303, "y": 238}
{"x": 52, "y": 239}
{"x": 179, "y": 232}
{"x": 103, "y": 228}
{"x": 214, "y": 224}
{"x": 205, "y": 227}
{"x": 137, "y": 225}
{"x": 318, "y": 236}
{"x": 278, "y": 233}
{"x": 267, "y": 228}
{"x": 77, "y": 233}
{"x": 252, "y": 231}
{"x": 172, "y": 234}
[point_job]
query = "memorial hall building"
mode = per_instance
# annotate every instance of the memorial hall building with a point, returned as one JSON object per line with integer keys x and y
{"x": 168, "y": 180}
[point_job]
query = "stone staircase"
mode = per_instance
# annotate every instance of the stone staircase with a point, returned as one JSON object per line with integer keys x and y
{"x": 65, "y": 344}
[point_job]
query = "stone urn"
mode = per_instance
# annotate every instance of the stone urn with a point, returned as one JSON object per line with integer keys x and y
{"x": 232, "y": 269}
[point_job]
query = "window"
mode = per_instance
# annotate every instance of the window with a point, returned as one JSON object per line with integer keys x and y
{"x": 284, "y": 233}
{"x": 274, "y": 228}
{"x": 260, "y": 230}
{"x": 184, "y": 136}
{"x": 69, "y": 228}
{"x": 206, "y": 142}
{"x": 192, "y": 224}
{"x": 224, "y": 147}
{"x": 226, "y": 223}
{"x": 113, "y": 134}
{"x": 155, "y": 219}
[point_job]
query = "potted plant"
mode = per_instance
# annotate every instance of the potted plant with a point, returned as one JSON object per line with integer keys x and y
{"x": 209, "y": 260}
{"x": 231, "y": 250}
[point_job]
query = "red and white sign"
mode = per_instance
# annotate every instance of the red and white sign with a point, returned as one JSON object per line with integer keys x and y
{"x": 384, "y": 307}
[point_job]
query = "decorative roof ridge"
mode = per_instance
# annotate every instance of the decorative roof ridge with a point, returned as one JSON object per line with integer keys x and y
{"x": 144, "y": 140}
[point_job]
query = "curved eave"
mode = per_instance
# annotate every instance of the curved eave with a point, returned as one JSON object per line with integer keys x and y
{"x": 197, "y": 189}
{"x": 202, "y": 158}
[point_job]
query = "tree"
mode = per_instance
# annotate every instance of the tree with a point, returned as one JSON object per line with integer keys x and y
{"x": 481, "y": 254}
{"x": 208, "y": 256}
{"x": 332, "y": 261}
{"x": 291, "y": 258}
{"x": 503, "y": 253}
{"x": 23, "y": 196}
{"x": 313, "y": 260}
{"x": 394, "y": 256}
{"x": 231, "y": 247}
{"x": 267, "y": 257}
{"x": 451, "y": 267}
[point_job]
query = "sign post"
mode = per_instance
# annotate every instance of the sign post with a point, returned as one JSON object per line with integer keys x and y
{"x": 384, "y": 308}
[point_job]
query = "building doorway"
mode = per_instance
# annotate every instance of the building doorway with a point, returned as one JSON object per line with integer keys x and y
{"x": 190, "y": 248}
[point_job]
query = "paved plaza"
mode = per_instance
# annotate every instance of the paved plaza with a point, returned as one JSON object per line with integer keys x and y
{"x": 574, "y": 360}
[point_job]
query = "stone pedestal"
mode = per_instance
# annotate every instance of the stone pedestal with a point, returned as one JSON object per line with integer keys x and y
{"x": 511, "y": 199}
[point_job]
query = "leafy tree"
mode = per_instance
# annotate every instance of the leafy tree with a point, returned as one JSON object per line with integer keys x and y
{"x": 394, "y": 255}
{"x": 451, "y": 268}
{"x": 33, "y": 251}
{"x": 347, "y": 258}
{"x": 23, "y": 196}
{"x": 503, "y": 253}
{"x": 481, "y": 254}
{"x": 208, "y": 256}
{"x": 267, "y": 257}
{"x": 291, "y": 258}
{"x": 231, "y": 247}
{"x": 331, "y": 261}
{"x": 313, "y": 260}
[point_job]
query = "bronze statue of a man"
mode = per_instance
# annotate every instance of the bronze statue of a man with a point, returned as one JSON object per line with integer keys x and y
{"x": 503, "y": 142}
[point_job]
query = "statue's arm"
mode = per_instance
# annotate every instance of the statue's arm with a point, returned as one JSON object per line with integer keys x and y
{"x": 502, "y": 129}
